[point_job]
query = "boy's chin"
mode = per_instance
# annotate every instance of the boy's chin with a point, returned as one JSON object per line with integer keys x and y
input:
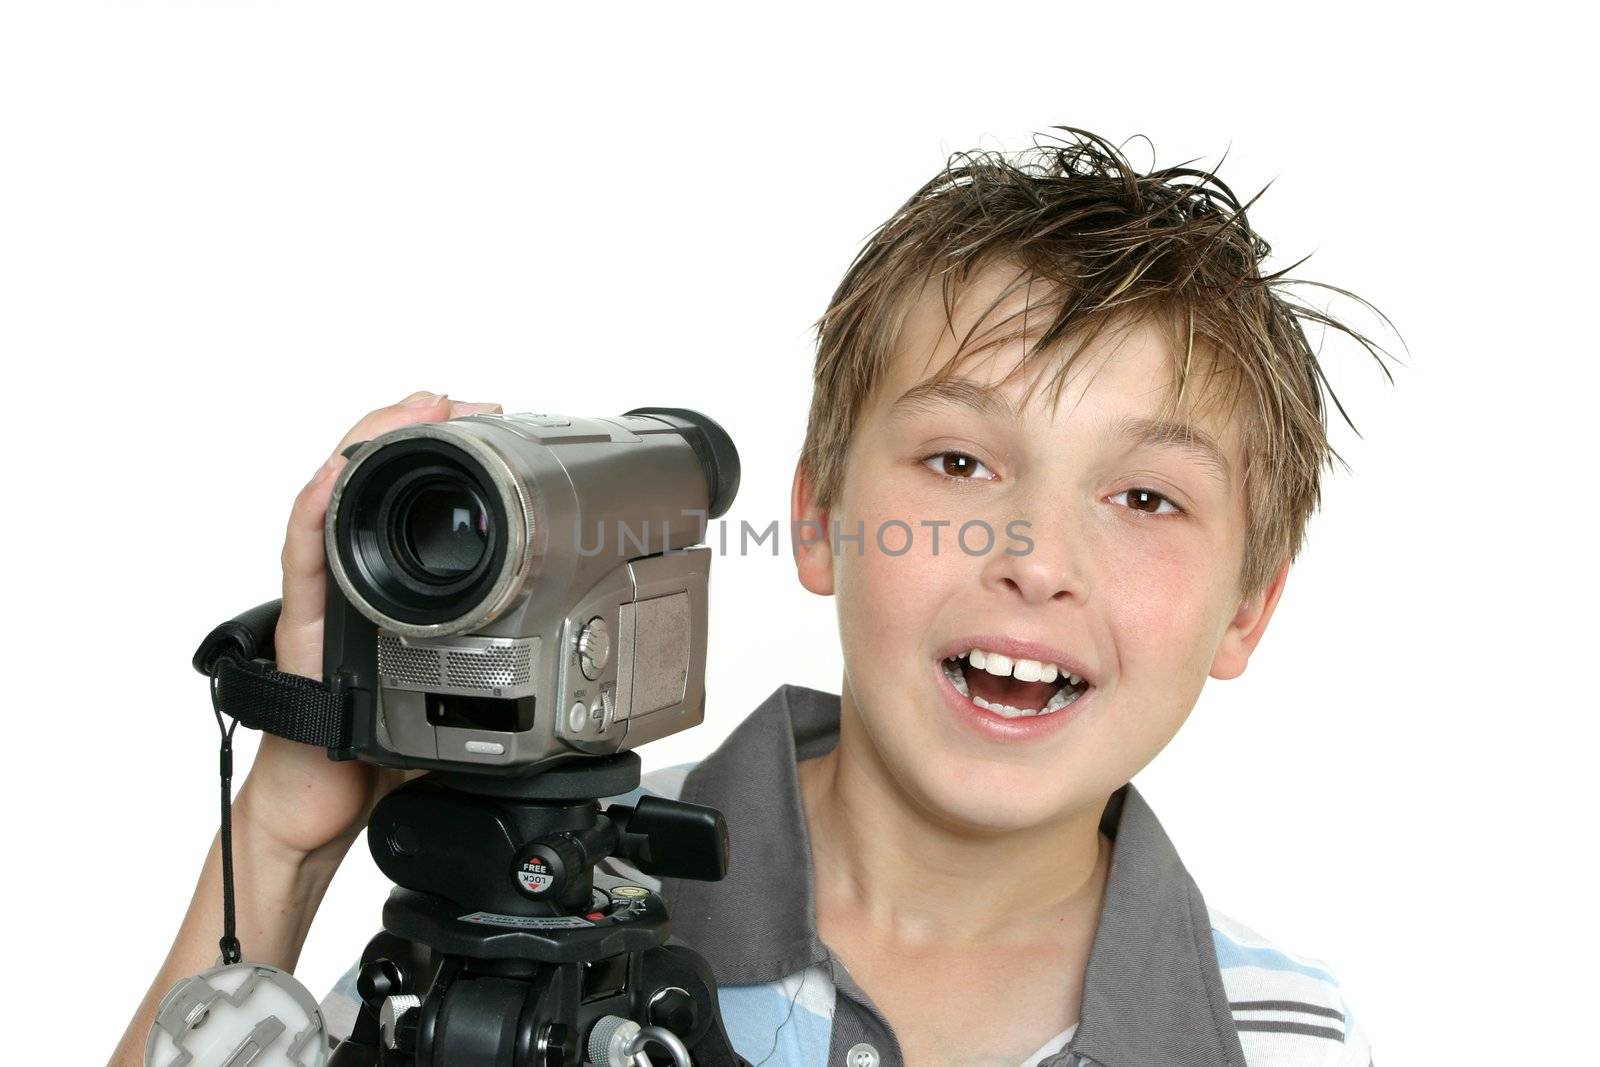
{"x": 997, "y": 800}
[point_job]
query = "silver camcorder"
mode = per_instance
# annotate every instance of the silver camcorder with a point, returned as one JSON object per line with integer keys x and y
{"x": 509, "y": 592}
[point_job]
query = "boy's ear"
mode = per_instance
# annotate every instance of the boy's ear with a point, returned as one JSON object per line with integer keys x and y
{"x": 1246, "y": 627}
{"x": 808, "y": 526}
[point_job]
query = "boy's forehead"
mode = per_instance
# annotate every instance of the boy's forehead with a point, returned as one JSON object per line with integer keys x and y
{"x": 977, "y": 353}
{"x": 988, "y": 331}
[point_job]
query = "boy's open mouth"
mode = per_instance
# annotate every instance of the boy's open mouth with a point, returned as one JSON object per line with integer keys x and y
{"x": 1012, "y": 688}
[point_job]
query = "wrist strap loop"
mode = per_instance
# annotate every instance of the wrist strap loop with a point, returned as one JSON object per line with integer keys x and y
{"x": 247, "y": 687}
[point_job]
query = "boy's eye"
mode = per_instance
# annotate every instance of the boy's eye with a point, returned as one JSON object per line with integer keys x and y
{"x": 957, "y": 466}
{"x": 1148, "y": 501}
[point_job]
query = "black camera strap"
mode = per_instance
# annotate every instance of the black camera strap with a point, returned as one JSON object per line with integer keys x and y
{"x": 229, "y": 944}
{"x": 262, "y": 697}
{"x": 246, "y": 684}
{"x": 247, "y": 687}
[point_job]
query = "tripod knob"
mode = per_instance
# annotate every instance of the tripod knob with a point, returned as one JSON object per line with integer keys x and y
{"x": 619, "y": 1042}
{"x": 551, "y": 868}
{"x": 378, "y": 980}
{"x": 611, "y": 1042}
{"x": 557, "y": 1046}
{"x": 397, "y": 1021}
{"x": 674, "y": 1009}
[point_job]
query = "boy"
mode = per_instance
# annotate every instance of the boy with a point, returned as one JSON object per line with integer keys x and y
{"x": 945, "y": 863}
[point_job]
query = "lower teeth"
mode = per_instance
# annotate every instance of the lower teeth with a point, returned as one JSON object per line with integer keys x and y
{"x": 1062, "y": 697}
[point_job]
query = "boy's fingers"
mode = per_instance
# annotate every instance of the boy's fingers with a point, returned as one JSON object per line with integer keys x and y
{"x": 303, "y": 563}
{"x": 419, "y": 407}
{"x": 427, "y": 408}
{"x": 302, "y": 545}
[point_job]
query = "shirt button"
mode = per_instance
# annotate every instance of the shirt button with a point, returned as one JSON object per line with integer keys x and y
{"x": 862, "y": 1055}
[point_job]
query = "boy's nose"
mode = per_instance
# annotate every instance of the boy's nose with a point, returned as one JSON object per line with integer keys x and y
{"x": 1036, "y": 568}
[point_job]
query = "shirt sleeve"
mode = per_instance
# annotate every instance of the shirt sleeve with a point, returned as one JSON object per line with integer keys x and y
{"x": 1357, "y": 1050}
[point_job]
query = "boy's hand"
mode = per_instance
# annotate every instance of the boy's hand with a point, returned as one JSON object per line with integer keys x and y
{"x": 301, "y": 800}
{"x": 298, "y": 811}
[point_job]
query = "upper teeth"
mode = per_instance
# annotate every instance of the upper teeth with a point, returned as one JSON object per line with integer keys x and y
{"x": 1027, "y": 670}
{"x": 1024, "y": 670}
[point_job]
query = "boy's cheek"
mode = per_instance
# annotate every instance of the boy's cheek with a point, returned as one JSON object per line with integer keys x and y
{"x": 1157, "y": 595}
{"x": 891, "y": 548}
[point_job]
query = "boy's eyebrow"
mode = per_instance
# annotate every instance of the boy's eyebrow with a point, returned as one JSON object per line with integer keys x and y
{"x": 963, "y": 392}
{"x": 1162, "y": 433}
{"x": 993, "y": 404}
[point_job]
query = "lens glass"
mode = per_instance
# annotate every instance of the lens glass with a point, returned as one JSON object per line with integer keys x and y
{"x": 444, "y": 530}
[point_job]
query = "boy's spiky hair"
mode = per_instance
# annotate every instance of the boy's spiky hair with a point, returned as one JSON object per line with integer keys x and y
{"x": 1107, "y": 247}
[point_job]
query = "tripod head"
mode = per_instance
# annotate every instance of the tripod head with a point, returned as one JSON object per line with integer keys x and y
{"x": 519, "y": 854}
{"x": 524, "y": 949}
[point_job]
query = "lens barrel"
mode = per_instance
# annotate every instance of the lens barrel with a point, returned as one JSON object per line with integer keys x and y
{"x": 422, "y": 531}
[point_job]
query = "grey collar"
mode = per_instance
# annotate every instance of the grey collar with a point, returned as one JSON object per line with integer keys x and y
{"x": 1152, "y": 996}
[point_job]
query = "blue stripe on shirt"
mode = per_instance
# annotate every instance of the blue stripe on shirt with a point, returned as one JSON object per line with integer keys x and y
{"x": 765, "y": 1025}
{"x": 1231, "y": 953}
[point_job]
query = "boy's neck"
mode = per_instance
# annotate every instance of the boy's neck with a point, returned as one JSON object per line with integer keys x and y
{"x": 888, "y": 866}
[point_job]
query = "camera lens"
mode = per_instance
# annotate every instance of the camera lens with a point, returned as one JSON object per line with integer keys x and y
{"x": 421, "y": 533}
{"x": 442, "y": 530}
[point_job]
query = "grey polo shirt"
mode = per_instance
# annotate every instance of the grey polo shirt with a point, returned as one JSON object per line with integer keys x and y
{"x": 1156, "y": 992}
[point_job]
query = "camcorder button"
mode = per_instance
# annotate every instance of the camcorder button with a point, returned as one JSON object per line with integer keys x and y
{"x": 594, "y": 648}
{"x": 578, "y": 717}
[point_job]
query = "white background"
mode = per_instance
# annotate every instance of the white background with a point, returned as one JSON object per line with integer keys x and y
{"x": 228, "y": 230}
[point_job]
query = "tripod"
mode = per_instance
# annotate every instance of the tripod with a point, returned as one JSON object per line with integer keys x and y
{"x": 499, "y": 948}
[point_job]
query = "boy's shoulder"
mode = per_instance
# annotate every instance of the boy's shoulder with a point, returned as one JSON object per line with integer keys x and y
{"x": 1287, "y": 1008}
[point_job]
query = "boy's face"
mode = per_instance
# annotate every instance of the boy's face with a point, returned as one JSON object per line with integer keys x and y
{"x": 1138, "y": 593}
